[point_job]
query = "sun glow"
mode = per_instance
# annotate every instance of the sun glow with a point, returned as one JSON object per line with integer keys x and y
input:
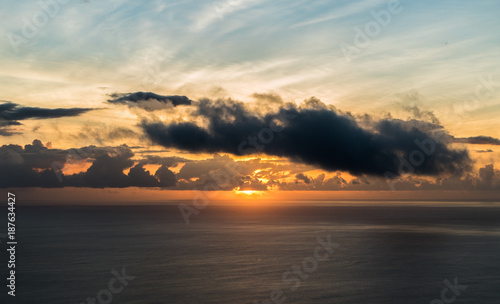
{"x": 248, "y": 193}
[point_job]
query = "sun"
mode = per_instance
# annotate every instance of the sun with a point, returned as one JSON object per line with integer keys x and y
{"x": 248, "y": 193}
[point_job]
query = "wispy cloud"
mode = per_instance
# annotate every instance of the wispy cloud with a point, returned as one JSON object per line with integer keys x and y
{"x": 347, "y": 10}
{"x": 478, "y": 140}
{"x": 12, "y": 113}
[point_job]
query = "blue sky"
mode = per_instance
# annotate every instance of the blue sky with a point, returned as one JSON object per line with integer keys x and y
{"x": 235, "y": 48}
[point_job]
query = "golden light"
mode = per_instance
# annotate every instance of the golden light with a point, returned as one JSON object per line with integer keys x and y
{"x": 248, "y": 193}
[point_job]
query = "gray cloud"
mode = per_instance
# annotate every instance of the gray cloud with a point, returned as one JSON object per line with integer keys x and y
{"x": 302, "y": 177}
{"x": 102, "y": 133}
{"x": 12, "y": 113}
{"x": 313, "y": 134}
{"x": 418, "y": 113}
{"x": 484, "y": 151}
{"x": 36, "y": 165}
{"x": 478, "y": 140}
{"x": 149, "y": 101}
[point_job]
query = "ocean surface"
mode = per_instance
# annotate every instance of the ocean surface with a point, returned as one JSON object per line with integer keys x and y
{"x": 230, "y": 255}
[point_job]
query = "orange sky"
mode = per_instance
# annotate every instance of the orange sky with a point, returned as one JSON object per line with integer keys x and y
{"x": 84, "y": 196}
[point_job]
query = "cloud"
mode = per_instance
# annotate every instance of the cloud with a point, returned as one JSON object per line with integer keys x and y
{"x": 266, "y": 99}
{"x": 102, "y": 133}
{"x": 485, "y": 179}
{"x": 226, "y": 173}
{"x": 314, "y": 134}
{"x": 486, "y": 173}
{"x": 11, "y": 113}
{"x": 489, "y": 178}
{"x": 36, "y": 165}
{"x": 478, "y": 140}
{"x": 149, "y": 101}
{"x": 166, "y": 177}
{"x": 420, "y": 114}
{"x": 4, "y": 122}
{"x": 170, "y": 161}
{"x": 412, "y": 103}
{"x": 302, "y": 177}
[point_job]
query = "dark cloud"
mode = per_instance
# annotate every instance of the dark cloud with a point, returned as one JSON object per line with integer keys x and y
{"x": 4, "y": 123}
{"x": 12, "y": 113}
{"x": 484, "y": 151}
{"x": 166, "y": 177}
{"x": 140, "y": 177}
{"x": 302, "y": 177}
{"x": 36, "y": 165}
{"x": 478, "y": 140}
{"x": 313, "y": 134}
{"x": 149, "y": 101}
{"x": 106, "y": 171}
{"x": 7, "y": 132}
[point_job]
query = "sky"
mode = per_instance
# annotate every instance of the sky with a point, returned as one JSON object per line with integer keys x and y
{"x": 251, "y": 100}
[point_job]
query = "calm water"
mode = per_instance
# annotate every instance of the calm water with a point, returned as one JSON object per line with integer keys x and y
{"x": 231, "y": 255}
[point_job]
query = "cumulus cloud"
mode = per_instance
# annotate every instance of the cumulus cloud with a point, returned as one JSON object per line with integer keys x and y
{"x": 314, "y": 134}
{"x": 11, "y": 114}
{"x": 222, "y": 172}
{"x": 226, "y": 173}
{"x": 302, "y": 177}
{"x": 149, "y": 101}
{"x": 488, "y": 178}
{"x": 36, "y": 165}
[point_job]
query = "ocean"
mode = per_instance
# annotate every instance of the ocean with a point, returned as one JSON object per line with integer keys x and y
{"x": 283, "y": 254}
